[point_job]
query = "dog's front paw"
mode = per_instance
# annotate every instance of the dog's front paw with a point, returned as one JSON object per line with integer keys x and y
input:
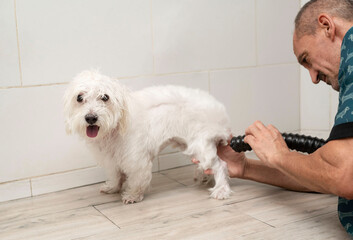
{"x": 221, "y": 192}
{"x": 109, "y": 188}
{"x": 129, "y": 199}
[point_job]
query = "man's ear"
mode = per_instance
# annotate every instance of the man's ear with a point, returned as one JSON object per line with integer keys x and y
{"x": 327, "y": 24}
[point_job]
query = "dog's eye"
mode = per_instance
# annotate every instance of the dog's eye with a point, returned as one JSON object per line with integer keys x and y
{"x": 79, "y": 98}
{"x": 105, "y": 97}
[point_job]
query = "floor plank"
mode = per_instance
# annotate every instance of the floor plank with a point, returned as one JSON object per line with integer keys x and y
{"x": 53, "y": 203}
{"x": 174, "y": 208}
{"x": 72, "y": 224}
{"x": 286, "y": 207}
{"x": 224, "y": 222}
{"x": 242, "y": 190}
{"x": 323, "y": 227}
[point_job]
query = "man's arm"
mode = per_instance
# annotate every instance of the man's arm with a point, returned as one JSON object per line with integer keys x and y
{"x": 328, "y": 170}
{"x": 257, "y": 171}
{"x": 241, "y": 167}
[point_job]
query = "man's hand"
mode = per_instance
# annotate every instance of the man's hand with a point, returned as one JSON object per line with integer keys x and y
{"x": 267, "y": 143}
{"x": 236, "y": 162}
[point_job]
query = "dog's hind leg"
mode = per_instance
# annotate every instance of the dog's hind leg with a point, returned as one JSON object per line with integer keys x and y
{"x": 221, "y": 190}
{"x": 206, "y": 153}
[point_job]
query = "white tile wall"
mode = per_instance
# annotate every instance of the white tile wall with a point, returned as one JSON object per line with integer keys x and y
{"x": 302, "y": 2}
{"x": 155, "y": 166}
{"x": 269, "y": 94}
{"x": 194, "y": 35}
{"x": 315, "y": 103}
{"x": 173, "y": 160}
{"x": 193, "y": 80}
{"x": 274, "y": 27}
{"x": 9, "y": 62}
{"x": 240, "y": 51}
{"x": 33, "y": 139}
{"x": 60, "y": 38}
{"x": 333, "y": 106}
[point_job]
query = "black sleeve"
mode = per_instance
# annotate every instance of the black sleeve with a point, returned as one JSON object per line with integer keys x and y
{"x": 344, "y": 130}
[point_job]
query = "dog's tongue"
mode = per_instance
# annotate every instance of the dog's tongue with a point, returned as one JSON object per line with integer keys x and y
{"x": 92, "y": 131}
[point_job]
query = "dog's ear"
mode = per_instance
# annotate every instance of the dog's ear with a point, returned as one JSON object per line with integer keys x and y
{"x": 122, "y": 124}
{"x": 124, "y": 111}
{"x": 68, "y": 128}
{"x": 122, "y": 106}
{"x": 68, "y": 125}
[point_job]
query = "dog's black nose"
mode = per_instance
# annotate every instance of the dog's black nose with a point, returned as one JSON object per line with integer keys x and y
{"x": 91, "y": 118}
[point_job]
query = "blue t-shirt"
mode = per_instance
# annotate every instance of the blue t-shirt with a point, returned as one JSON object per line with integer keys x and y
{"x": 343, "y": 127}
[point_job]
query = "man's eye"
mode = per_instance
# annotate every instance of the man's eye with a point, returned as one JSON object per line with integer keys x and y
{"x": 79, "y": 98}
{"x": 105, "y": 97}
{"x": 306, "y": 62}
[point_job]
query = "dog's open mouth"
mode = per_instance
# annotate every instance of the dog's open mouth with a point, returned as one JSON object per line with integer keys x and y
{"x": 92, "y": 131}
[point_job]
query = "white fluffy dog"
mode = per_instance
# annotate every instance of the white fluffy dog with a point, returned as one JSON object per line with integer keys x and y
{"x": 128, "y": 129}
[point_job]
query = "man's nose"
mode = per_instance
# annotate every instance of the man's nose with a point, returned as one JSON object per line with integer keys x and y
{"x": 313, "y": 74}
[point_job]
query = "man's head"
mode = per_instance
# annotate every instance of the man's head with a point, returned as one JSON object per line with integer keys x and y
{"x": 319, "y": 30}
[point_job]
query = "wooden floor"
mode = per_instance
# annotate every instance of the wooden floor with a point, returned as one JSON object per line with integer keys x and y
{"x": 174, "y": 209}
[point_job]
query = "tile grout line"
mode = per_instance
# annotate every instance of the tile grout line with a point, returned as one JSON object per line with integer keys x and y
{"x": 159, "y": 164}
{"x": 152, "y": 36}
{"x": 209, "y": 82}
{"x": 18, "y": 45}
{"x": 31, "y": 187}
{"x": 221, "y": 206}
{"x": 103, "y": 203}
{"x": 161, "y": 74}
{"x": 35, "y": 85}
{"x": 235, "y": 203}
{"x": 53, "y": 213}
{"x": 50, "y": 174}
{"x": 106, "y": 217}
{"x": 300, "y": 86}
{"x": 245, "y": 200}
{"x": 300, "y": 98}
{"x": 260, "y": 221}
{"x": 309, "y": 217}
{"x": 172, "y": 178}
{"x": 330, "y": 107}
{"x": 256, "y": 36}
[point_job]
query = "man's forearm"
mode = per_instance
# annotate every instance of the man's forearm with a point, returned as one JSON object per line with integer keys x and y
{"x": 311, "y": 171}
{"x": 257, "y": 171}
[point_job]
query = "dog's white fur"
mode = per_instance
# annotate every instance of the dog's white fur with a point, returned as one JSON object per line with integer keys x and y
{"x": 135, "y": 126}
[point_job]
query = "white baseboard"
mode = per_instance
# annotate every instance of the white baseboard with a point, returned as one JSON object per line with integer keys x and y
{"x": 15, "y": 190}
{"x": 62, "y": 181}
{"x": 75, "y": 178}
